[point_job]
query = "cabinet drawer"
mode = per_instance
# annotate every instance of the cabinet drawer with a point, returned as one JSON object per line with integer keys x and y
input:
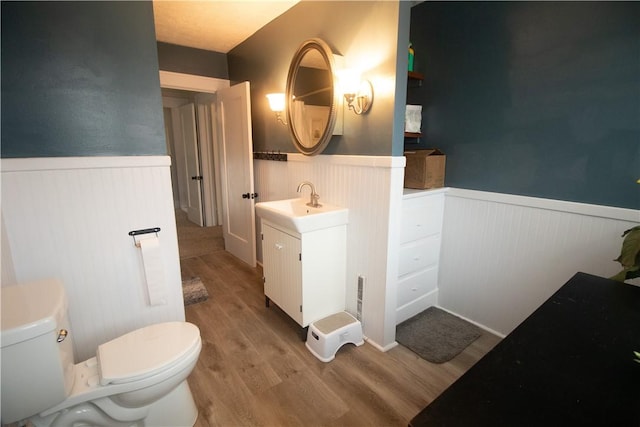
{"x": 421, "y": 217}
{"x": 419, "y": 254}
{"x": 416, "y": 285}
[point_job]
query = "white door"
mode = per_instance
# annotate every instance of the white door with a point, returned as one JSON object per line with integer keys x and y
{"x": 238, "y": 197}
{"x": 193, "y": 175}
{"x": 206, "y": 127}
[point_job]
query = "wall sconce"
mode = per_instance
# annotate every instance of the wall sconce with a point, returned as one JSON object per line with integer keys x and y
{"x": 276, "y": 103}
{"x": 358, "y": 93}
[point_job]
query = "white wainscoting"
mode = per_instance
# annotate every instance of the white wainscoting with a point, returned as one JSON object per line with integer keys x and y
{"x": 504, "y": 255}
{"x": 69, "y": 218}
{"x": 371, "y": 188}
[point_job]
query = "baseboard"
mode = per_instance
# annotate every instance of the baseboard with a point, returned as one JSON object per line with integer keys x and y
{"x": 379, "y": 347}
{"x": 479, "y": 325}
{"x": 416, "y": 306}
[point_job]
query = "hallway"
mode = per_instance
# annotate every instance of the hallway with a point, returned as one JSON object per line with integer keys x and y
{"x": 194, "y": 240}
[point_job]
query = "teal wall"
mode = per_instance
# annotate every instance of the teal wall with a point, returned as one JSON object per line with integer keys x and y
{"x": 80, "y": 79}
{"x": 365, "y": 33}
{"x": 533, "y": 98}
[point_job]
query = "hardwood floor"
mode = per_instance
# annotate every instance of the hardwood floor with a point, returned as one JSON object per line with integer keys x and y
{"x": 255, "y": 371}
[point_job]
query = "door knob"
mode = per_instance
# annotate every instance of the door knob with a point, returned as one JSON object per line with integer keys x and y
{"x": 62, "y": 335}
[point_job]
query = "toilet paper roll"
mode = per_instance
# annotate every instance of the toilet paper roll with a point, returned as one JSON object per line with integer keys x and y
{"x": 154, "y": 270}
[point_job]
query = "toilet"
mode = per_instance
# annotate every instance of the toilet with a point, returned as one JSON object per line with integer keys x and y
{"x": 137, "y": 379}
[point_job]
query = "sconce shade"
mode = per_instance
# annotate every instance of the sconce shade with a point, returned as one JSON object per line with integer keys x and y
{"x": 349, "y": 81}
{"x": 276, "y": 101}
{"x": 276, "y": 104}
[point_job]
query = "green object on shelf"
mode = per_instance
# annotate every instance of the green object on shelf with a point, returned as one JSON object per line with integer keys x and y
{"x": 412, "y": 54}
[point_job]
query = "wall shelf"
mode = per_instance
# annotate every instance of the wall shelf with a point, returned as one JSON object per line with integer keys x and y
{"x": 413, "y": 75}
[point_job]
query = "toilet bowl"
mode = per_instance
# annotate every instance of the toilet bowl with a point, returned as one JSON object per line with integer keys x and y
{"x": 137, "y": 379}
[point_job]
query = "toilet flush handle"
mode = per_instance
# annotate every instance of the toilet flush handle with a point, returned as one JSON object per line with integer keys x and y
{"x": 62, "y": 335}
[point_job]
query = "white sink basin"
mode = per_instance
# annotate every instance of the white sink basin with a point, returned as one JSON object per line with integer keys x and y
{"x": 294, "y": 214}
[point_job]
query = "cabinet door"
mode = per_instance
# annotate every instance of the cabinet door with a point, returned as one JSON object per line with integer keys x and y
{"x": 282, "y": 270}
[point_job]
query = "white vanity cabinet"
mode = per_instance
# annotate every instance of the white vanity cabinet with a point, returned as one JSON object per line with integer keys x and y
{"x": 419, "y": 252}
{"x": 305, "y": 273}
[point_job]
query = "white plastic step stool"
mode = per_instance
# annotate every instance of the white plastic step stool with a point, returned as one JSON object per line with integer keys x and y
{"x": 326, "y": 336}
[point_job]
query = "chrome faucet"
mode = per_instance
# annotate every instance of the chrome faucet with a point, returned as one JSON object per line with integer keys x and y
{"x": 313, "y": 202}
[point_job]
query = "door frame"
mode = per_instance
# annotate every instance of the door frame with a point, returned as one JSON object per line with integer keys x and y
{"x": 194, "y": 83}
{"x": 191, "y": 82}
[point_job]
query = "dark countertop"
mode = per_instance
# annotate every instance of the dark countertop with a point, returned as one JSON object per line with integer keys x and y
{"x": 568, "y": 364}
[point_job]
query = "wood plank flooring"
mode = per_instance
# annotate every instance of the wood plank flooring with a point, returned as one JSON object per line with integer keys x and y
{"x": 255, "y": 371}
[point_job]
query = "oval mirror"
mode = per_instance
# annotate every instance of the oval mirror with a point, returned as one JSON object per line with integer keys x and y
{"x": 311, "y": 97}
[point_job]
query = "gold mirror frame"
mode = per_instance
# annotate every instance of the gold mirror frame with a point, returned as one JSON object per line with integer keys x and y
{"x": 302, "y": 142}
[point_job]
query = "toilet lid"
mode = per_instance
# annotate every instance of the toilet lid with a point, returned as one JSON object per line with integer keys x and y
{"x": 146, "y": 351}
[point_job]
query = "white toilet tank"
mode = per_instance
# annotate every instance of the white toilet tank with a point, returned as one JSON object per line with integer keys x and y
{"x": 37, "y": 349}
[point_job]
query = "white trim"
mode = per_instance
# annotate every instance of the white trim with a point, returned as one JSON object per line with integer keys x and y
{"x": 379, "y": 347}
{"x": 364, "y": 161}
{"x": 171, "y": 102}
{"x": 600, "y": 211}
{"x": 479, "y": 325}
{"x": 171, "y": 80}
{"x": 99, "y": 162}
{"x": 410, "y": 193}
{"x": 416, "y": 306}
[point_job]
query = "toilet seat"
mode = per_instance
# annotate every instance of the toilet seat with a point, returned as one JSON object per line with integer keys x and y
{"x": 146, "y": 351}
{"x": 87, "y": 385}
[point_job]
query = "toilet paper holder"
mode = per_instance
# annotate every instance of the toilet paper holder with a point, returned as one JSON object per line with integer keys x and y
{"x": 135, "y": 233}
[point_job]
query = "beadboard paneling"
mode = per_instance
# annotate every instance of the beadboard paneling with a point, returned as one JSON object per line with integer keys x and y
{"x": 503, "y": 256}
{"x": 69, "y": 218}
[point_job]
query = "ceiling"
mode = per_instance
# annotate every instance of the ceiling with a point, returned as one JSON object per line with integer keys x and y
{"x": 214, "y": 25}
